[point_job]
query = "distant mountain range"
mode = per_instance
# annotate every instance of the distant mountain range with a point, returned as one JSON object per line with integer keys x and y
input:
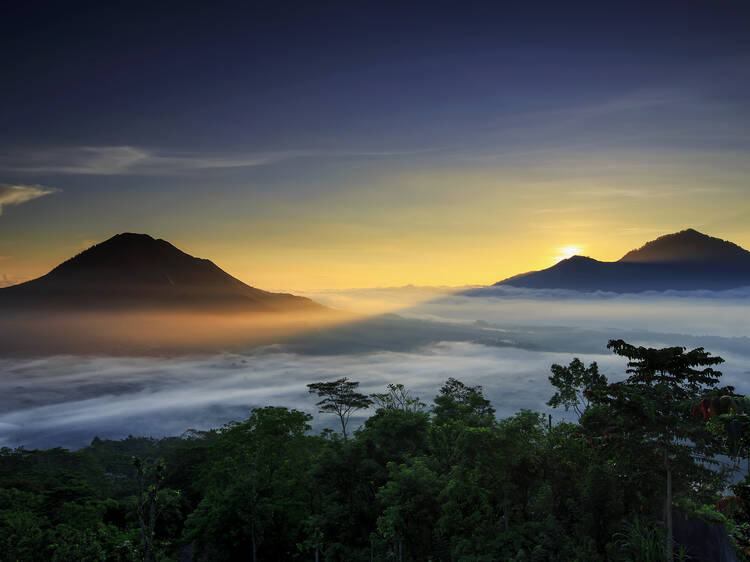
{"x": 135, "y": 271}
{"x": 686, "y": 260}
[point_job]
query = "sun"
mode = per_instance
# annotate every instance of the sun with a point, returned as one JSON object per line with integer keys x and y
{"x": 567, "y": 252}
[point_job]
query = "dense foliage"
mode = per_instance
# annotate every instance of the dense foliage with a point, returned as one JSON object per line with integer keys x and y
{"x": 450, "y": 482}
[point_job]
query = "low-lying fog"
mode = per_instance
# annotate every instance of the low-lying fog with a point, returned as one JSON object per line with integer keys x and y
{"x": 720, "y": 313}
{"x": 503, "y": 338}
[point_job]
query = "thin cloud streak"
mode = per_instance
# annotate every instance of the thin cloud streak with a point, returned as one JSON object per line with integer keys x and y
{"x": 573, "y": 136}
{"x": 669, "y": 122}
{"x": 131, "y": 160}
{"x": 17, "y": 194}
{"x": 124, "y": 160}
{"x": 644, "y": 193}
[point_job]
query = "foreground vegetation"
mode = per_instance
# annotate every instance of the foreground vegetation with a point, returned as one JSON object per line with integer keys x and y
{"x": 448, "y": 482}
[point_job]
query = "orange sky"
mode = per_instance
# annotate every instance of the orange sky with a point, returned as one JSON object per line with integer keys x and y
{"x": 489, "y": 229}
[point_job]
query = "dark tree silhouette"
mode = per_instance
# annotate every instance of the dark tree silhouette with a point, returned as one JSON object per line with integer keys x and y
{"x": 149, "y": 477}
{"x": 657, "y": 398}
{"x": 458, "y": 402}
{"x": 577, "y": 385}
{"x": 340, "y": 397}
{"x": 397, "y": 397}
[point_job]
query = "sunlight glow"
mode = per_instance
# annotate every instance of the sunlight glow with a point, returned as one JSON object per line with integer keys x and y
{"x": 567, "y": 252}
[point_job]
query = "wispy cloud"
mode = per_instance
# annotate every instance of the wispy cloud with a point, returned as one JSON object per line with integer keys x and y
{"x": 124, "y": 160}
{"x": 649, "y": 123}
{"x": 642, "y": 192}
{"x": 17, "y": 194}
{"x": 132, "y": 160}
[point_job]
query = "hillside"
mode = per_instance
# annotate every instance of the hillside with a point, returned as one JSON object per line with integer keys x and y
{"x": 686, "y": 260}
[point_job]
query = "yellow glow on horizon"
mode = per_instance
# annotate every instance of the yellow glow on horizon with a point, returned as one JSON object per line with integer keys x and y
{"x": 444, "y": 226}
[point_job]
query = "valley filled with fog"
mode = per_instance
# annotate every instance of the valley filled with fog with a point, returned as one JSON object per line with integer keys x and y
{"x": 502, "y": 338}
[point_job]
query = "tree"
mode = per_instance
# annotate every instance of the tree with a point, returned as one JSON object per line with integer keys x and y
{"x": 256, "y": 494}
{"x": 458, "y": 402}
{"x": 150, "y": 500}
{"x": 394, "y": 435}
{"x": 490, "y": 479}
{"x": 577, "y": 385}
{"x": 656, "y": 401}
{"x": 646, "y": 420}
{"x": 397, "y": 397}
{"x": 411, "y": 508}
{"x": 341, "y": 398}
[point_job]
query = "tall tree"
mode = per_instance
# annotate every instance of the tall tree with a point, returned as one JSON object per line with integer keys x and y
{"x": 656, "y": 401}
{"x": 150, "y": 500}
{"x": 340, "y": 397}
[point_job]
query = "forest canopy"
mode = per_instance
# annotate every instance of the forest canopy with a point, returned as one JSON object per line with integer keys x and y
{"x": 446, "y": 481}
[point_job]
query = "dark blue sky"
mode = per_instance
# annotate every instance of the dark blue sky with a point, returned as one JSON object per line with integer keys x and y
{"x": 275, "y": 75}
{"x": 368, "y": 115}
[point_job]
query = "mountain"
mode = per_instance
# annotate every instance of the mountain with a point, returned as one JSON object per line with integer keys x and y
{"x": 135, "y": 271}
{"x": 688, "y": 246}
{"x": 686, "y": 260}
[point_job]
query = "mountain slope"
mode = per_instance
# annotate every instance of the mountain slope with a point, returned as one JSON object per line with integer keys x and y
{"x": 136, "y": 271}
{"x": 686, "y": 260}
{"x": 688, "y": 246}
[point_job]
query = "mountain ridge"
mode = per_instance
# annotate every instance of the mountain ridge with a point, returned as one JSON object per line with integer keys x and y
{"x": 686, "y": 245}
{"x": 685, "y": 260}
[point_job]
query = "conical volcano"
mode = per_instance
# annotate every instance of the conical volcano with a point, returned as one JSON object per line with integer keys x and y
{"x": 137, "y": 271}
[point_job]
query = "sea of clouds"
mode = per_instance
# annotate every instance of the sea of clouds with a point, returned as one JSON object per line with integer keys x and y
{"x": 503, "y": 340}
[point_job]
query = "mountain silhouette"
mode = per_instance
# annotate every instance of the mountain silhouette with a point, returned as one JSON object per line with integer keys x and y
{"x": 688, "y": 246}
{"x": 686, "y": 260}
{"x": 136, "y": 271}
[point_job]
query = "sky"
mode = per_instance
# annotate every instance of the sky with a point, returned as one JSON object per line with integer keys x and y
{"x": 322, "y": 145}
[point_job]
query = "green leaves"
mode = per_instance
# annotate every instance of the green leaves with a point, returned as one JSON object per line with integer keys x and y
{"x": 467, "y": 404}
{"x": 454, "y": 483}
{"x": 577, "y": 386}
{"x": 656, "y": 399}
{"x": 671, "y": 367}
{"x": 254, "y": 490}
{"x": 411, "y": 506}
